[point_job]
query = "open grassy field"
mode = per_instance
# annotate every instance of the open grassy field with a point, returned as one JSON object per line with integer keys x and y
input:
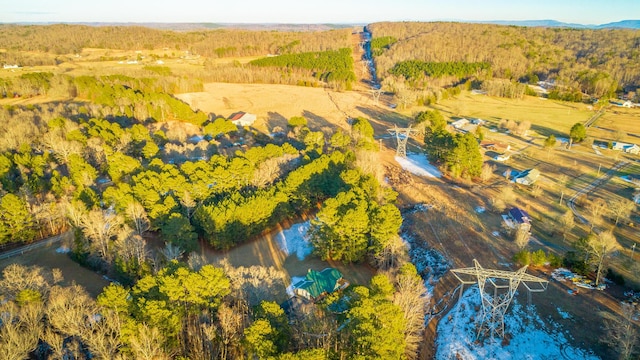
{"x": 48, "y": 258}
{"x": 546, "y": 116}
{"x": 275, "y": 104}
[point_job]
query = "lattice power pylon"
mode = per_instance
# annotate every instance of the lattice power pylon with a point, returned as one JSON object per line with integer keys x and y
{"x": 505, "y": 284}
{"x": 402, "y": 136}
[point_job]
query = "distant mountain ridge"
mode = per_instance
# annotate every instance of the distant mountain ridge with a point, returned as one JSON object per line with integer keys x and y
{"x": 624, "y": 24}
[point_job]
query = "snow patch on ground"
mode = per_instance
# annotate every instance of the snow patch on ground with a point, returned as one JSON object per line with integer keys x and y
{"x": 430, "y": 263}
{"x": 418, "y": 164}
{"x": 530, "y": 337}
{"x": 480, "y": 209}
{"x": 295, "y": 241}
{"x": 563, "y": 314}
{"x": 63, "y": 249}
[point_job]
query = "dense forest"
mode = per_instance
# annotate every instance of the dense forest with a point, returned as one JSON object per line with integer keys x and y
{"x": 328, "y": 66}
{"x": 71, "y": 39}
{"x": 113, "y": 165}
{"x": 595, "y": 62}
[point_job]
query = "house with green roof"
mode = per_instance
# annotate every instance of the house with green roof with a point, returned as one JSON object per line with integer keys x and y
{"x": 319, "y": 283}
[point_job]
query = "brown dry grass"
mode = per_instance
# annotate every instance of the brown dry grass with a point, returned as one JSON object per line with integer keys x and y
{"x": 275, "y": 104}
{"x": 48, "y": 259}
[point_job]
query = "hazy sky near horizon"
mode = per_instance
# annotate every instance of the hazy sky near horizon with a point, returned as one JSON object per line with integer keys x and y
{"x": 307, "y": 12}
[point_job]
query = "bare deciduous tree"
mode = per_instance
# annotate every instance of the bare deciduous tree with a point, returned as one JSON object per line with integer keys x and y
{"x": 596, "y": 208}
{"x": 103, "y": 334}
{"x": 521, "y": 237}
{"x": 411, "y": 297}
{"x": 147, "y": 343}
{"x": 536, "y": 190}
{"x": 99, "y": 227}
{"x": 392, "y": 255}
{"x": 231, "y": 325}
{"x": 130, "y": 245}
{"x": 369, "y": 162}
{"x": 171, "y": 252}
{"x": 17, "y": 339}
{"x": 68, "y": 310}
{"x": 60, "y": 146}
{"x": 137, "y": 214}
{"x": 566, "y": 223}
{"x": 600, "y": 247}
{"x": 487, "y": 172}
{"x": 621, "y": 208}
{"x": 620, "y": 331}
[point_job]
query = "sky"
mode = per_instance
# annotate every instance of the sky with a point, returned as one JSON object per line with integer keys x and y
{"x": 588, "y": 12}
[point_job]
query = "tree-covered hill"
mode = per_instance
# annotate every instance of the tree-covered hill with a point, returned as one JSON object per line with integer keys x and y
{"x": 71, "y": 39}
{"x": 595, "y": 62}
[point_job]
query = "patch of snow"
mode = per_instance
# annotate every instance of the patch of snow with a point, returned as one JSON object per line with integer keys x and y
{"x": 418, "y": 164}
{"x": 563, "y": 314}
{"x": 495, "y": 233}
{"x": 294, "y": 280}
{"x": 563, "y": 140}
{"x": 63, "y": 249}
{"x": 295, "y": 241}
{"x": 480, "y": 209}
{"x": 530, "y": 337}
{"x": 419, "y": 207}
{"x": 430, "y": 263}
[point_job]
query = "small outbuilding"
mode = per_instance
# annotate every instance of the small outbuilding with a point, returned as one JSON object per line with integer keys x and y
{"x": 527, "y": 177}
{"x": 242, "y": 118}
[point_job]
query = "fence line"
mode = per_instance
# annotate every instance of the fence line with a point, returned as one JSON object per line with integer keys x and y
{"x": 26, "y": 248}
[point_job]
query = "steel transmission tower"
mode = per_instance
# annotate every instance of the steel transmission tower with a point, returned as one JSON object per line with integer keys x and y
{"x": 402, "y": 136}
{"x": 504, "y": 285}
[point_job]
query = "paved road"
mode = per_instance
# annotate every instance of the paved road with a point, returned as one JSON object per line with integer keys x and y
{"x": 596, "y": 183}
{"x": 26, "y": 248}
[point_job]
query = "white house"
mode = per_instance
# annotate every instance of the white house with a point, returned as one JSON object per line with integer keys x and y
{"x": 527, "y": 177}
{"x": 243, "y": 119}
{"x": 459, "y": 124}
{"x": 626, "y": 147}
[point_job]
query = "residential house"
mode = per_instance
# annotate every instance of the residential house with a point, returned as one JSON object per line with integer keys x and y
{"x": 496, "y": 146}
{"x": 520, "y": 218}
{"x": 242, "y": 118}
{"x": 527, "y": 177}
{"x": 317, "y": 284}
{"x": 626, "y": 147}
{"x": 459, "y": 124}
